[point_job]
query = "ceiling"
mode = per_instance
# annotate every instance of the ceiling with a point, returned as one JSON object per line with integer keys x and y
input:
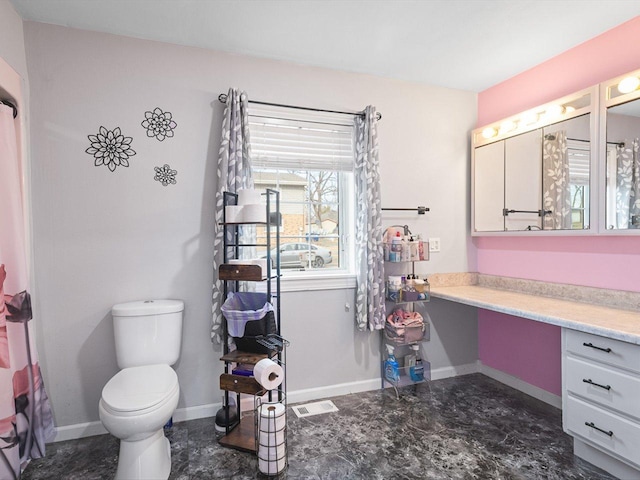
{"x": 464, "y": 44}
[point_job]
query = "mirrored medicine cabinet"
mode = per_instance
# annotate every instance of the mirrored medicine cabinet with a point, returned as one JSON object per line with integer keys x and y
{"x": 534, "y": 172}
{"x": 620, "y": 140}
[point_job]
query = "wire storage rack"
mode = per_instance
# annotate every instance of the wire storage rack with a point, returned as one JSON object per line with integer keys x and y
{"x": 270, "y": 414}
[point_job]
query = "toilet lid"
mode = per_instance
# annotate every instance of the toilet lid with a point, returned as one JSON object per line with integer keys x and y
{"x": 139, "y": 388}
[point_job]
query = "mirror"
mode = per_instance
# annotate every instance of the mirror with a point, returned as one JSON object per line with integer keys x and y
{"x": 623, "y": 166}
{"x": 532, "y": 172}
{"x": 566, "y": 174}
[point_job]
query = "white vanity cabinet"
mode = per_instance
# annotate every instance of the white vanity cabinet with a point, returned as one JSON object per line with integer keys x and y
{"x": 601, "y": 400}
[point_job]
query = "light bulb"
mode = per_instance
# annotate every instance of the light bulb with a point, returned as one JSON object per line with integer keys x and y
{"x": 507, "y": 126}
{"x": 554, "y": 111}
{"x": 569, "y": 109}
{"x": 489, "y": 132}
{"x": 628, "y": 85}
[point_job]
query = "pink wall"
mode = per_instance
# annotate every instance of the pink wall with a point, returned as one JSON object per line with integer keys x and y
{"x": 606, "y": 262}
{"x": 536, "y": 361}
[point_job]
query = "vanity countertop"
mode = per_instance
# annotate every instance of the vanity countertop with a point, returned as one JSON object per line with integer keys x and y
{"x": 606, "y": 321}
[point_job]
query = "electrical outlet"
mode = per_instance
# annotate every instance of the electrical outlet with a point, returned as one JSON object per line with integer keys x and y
{"x": 434, "y": 244}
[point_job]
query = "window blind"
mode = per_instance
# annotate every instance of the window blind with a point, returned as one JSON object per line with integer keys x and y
{"x": 579, "y": 157}
{"x": 300, "y": 140}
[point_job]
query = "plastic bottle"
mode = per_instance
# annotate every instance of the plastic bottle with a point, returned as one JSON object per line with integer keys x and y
{"x": 391, "y": 368}
{"x": 416, "y": 372}
{"x": 396, "y": 248}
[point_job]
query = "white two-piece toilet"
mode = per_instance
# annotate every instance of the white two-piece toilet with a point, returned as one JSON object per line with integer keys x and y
{"x": 140, "y": 399}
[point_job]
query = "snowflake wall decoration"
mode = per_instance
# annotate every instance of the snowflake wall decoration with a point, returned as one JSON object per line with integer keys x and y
{"x": 159, "y": 124}
{"x": 110, "y": 148}
{"x": 165, "y": 175}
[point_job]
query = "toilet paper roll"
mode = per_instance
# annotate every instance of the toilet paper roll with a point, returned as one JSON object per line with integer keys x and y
{"x": 271, "y": 453}
{"x": 272, "y": 419}
{"x": 271, "y": 467}
{"x": 271, "y": 439}
{"x": 262, "y": 263}
{"x": 249, "y": 196}
{"x": 268, "y": 374}
{"x": 254, "y": 213}
{"x": 233, "y": 214}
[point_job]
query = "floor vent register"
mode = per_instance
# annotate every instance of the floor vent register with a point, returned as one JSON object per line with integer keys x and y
{"x": 315, "y": 408}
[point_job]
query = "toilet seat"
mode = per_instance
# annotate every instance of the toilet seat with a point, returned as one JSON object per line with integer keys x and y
{"x": 137, "y": 390}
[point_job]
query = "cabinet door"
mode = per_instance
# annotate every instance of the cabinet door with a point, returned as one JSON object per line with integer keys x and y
{"x": 523, "y": 180}
{"x": 488, "y": 198}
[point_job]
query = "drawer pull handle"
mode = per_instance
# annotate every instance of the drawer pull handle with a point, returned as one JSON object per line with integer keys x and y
{"x": 591, "y": 345}
{"x": 592, "y": 425}
{"x": 591, "y": 382}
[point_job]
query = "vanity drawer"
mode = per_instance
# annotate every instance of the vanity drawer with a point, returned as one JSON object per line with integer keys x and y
{"x": 610, "y": 432}
{"x": 606, "y": 386}
{"x": 614, "y": 352}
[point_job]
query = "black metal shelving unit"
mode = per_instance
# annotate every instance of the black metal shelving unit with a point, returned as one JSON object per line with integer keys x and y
{"x": 242, "y": 434}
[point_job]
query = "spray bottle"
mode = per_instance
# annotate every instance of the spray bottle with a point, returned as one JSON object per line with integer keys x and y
{"x": 391, "y": 368}
{"x": 416, "y": 372}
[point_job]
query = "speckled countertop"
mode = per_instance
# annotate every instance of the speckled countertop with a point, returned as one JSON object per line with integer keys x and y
{"x": 612, "y": 322}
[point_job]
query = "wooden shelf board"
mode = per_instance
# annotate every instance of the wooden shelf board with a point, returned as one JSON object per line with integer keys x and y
{"x": 240, "y": 384}
{"x": 241, "y": 272}
{"x": 243, "y": 437}
{"x": 238, "y": 356}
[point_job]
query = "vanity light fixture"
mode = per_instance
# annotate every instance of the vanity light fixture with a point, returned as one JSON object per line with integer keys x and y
{"x": 536, "y": 117}
{"x": 507, "y": 126}
{"x": 529, "y": 118}
{"x": 628, "y": 84}
{"x": 489, "y": 132}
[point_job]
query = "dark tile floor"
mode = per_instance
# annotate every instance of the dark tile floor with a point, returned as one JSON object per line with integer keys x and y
{"x": 468, "y": 427}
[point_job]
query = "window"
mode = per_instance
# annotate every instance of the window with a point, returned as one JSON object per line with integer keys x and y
{"x": 307, "y": 156}
{"x": 579, "y": 157}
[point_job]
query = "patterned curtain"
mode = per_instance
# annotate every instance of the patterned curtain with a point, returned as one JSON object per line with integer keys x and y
{"x": 628, "y": 185}
{"x": 234, "y": 173}
{"x": 370, "y": 306}
{"x": 556, "y": 186}
{"x": 25, "y": 415}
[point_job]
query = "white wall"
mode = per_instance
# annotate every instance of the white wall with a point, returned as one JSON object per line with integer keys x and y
{"x": 12, "y": 38}
{"x": 103, "y": 238}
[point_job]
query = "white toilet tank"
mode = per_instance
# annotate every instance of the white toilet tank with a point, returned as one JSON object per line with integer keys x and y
{"x": 147, "y": 332}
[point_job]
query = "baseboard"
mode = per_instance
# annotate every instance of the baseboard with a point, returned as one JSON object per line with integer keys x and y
{"x": 89, "y": 429}
{"x": 454, "y": 371}
{"x": 514, "y": 382}
{"x": 79, "y": 430}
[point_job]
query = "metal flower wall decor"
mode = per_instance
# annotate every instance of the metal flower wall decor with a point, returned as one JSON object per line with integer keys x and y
{"x": 110, "y": 148}
{"x": 159, "y": 124}
{"x": 165, "y": 175}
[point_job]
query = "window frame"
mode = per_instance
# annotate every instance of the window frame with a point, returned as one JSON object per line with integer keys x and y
{"x": 321, "y": 278}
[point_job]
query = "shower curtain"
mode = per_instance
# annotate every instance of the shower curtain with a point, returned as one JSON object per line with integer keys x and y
{"x": 25, "y": 415}
{"x": 628, "y": 185}
{"x": 556, "y": 186}
{"x": 234, "y": 173}
{"x": 370, "y": 306}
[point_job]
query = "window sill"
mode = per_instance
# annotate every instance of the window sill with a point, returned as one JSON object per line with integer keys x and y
{"x": 331, "y": 281}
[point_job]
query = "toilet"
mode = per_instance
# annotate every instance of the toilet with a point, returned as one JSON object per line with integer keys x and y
{"x": 140, "y": 399}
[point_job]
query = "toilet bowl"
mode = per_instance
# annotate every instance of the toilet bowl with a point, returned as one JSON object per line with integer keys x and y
{"x": 135, "y": 405}
{"x": 141, "y": 398}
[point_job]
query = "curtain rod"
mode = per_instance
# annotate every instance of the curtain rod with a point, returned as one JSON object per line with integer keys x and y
{"x": 10, "y": 104}
{"x": 222, "y": 98}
